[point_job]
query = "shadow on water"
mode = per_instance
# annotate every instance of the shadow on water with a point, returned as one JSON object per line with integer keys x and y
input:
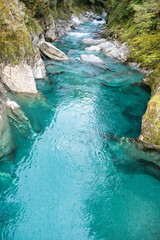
{"x": 132, "y": 157}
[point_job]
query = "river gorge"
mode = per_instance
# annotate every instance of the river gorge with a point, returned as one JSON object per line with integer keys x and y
{"x": 80, "y": 175}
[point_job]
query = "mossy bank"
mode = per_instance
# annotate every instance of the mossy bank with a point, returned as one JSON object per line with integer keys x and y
{"x": 138, "y": 23}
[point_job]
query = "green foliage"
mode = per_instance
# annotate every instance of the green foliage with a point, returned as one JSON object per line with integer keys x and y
{"x": 146, "y": 15}
{"x": 140, "y": 28}
{"x": 42, "y": 8}
{"x": 145, "y": 49}
{"x": 4, "y": 20}
{"x": 15, "y": 40}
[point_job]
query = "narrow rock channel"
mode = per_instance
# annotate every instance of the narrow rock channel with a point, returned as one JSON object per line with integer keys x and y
{"x": 81, "y": 175}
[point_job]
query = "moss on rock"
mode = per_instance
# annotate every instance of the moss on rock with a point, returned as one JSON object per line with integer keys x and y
{"x": 15, "y": 40}
{"x": 151, "y": 122}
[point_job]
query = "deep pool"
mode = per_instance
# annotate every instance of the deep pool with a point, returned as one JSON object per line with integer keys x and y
{"x": 63, "y": 182}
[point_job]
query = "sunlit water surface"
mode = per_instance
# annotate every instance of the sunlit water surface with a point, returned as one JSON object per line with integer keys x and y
{"x": 64, "y": 183}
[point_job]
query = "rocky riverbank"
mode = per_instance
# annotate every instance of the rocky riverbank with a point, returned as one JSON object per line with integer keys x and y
{"x": 21, "y": 61}
{"x": 138, "y": 25}
{"x": 23, "y": 45}
{"x": 150, "y": 130}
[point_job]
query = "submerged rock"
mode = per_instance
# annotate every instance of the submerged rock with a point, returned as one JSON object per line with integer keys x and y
{"x": 91, "y": 59}
{"x": 132, "y": 156}
{"x": 52, "y": 52}
{"x": 44, "y": 85}
{"x": 5, "y": 181}
{"x": 18, "y": 119}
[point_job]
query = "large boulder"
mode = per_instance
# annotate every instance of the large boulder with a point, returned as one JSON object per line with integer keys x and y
{"x": 93, "y": 48}
{"x": 106, "y": 46}
{"x": 19, "y": 78}
{"x": 91, "y": 59}
{"x": 52, "y": 52}
{"x": 119, "y": 51}
{"x": 91, "y": 41}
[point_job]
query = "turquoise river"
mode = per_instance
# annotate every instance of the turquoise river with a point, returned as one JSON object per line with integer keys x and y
{"x": 71, "y": 178}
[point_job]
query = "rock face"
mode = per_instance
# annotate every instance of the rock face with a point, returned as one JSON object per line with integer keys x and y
{"x": 91, "y": 59}
{"x": 6, "y": 140}
{"x": 63, "y": 26}
{"x": 52, "y": 52}
{"x": 49, "y": 28}
{"x": 39, "y": 70}
{"x": 19, "y": 78}
{"x": 150, "y": 133}
{"x": 50, "y": 34}
{"x": 10, "y": 112}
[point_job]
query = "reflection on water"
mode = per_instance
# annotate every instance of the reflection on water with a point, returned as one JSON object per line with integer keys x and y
{"x": 73, "y": 178}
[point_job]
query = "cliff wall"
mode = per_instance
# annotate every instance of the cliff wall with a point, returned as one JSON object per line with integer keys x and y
{"x": 137, "y": 22}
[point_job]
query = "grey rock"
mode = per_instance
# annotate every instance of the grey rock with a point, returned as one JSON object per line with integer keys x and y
{"x": 19, "y": 78}
{"x": 91, "y": 41}
{"x": 52, "y": 52}
{"x": 39, "y": 70}
{"x": 91, "y": 59}
{"x": 6, "y": 139}
{"x": 93, "y": 48}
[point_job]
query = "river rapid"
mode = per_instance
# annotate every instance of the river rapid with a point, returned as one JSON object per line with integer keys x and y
{"x": 71, "y": 179}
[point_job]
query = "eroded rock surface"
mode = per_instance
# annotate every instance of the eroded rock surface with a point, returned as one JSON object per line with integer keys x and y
{"x": 150, "y": 133}
{"x": 19, "y": 78}
{"x": 91, "y": 59}
{"x": 119, "y": 51}
{"x": 113, "y": 49}
{"x": 6, "y": 139}
{"x": 93, "y": 48}
{"x": 52, "y": 52}
{"x": 17, "y": 118}
{"x": 91, "y": 41}
{"x": 39, "y": 70}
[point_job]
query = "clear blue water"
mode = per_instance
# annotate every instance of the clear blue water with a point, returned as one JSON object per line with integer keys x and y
{"x": 64, "y": 182}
